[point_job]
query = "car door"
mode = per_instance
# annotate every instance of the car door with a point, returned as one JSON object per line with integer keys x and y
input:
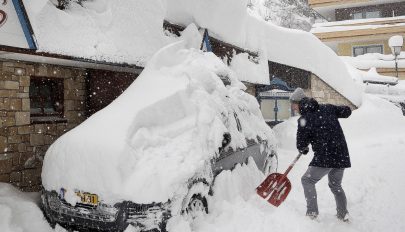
{"x": 228, "y": 157}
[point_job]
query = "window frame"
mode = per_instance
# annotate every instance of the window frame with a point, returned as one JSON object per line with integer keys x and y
{"x": 56, "y": 95}
{"x": 364, "y": 14}
{"x": 366, "y": 47}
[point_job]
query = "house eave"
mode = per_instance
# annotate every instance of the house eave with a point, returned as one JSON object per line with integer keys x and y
{"x": 29, "y": 55}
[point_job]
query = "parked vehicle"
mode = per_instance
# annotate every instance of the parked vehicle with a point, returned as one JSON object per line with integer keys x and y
{"x": 245, "y": 136}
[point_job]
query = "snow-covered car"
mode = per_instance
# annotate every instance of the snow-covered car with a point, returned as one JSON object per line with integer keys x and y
{"x": 155, "y": 151}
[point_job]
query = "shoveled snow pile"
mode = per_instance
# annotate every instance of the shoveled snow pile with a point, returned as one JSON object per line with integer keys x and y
{"x": 161, "y": 131}
{"x": 116, "y": 31}
{"x": 228, "y": 20}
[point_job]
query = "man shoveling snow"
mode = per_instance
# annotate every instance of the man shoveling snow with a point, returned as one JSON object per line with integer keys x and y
{"x": 319, "y": 126}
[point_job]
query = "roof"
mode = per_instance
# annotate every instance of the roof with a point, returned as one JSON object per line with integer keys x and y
{"x": 127, "y": 31}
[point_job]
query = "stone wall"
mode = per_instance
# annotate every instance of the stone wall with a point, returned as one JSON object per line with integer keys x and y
{"x": 23, "y": 143}
{"x": 324, "y": 93}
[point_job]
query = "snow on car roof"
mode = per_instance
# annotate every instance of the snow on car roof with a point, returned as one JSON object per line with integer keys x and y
{"x": 159, "y": 133}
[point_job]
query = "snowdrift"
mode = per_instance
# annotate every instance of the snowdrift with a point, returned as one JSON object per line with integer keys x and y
{"x": 19, "y": 211}
{"x": 160, "y": 132}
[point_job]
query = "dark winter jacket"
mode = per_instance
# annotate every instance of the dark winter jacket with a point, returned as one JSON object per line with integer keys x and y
{"x": 319, "y": 126}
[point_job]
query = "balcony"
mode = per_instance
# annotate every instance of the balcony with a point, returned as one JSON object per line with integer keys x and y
{"x": 333, "y": 10}
{"x": 346, "y": 3}
{"x": 362, "y": 29}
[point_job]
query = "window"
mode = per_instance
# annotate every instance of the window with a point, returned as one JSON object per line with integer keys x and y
{"x": 276, "y": 109}
{"x": 358, "y": 15}
{"x": 46, "y": 97}
{"x": 367, "y": 15}
{"x": 361, "y": 50}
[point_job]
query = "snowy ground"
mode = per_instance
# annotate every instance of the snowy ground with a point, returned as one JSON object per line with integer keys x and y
{"x": 376, "y": 139}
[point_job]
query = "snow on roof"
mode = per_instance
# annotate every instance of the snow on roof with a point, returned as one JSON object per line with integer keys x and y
{"x": 126, "y": 31}
{"x": 120, "y": 31}
{"x": 377, "y": 60}
{"x": 249, "y": 71}
{"x": 373, "y": 76}
{"x": 228, "y": 20}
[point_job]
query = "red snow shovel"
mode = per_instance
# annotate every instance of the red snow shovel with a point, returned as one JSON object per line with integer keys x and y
{"x": 277, "y": 186}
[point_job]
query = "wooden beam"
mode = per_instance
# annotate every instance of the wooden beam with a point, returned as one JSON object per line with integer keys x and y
{"x": 325, "y": 3}
{"x": 360, "y": 34}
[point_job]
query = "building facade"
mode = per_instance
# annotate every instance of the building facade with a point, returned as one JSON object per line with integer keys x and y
{"x": 358, "y": 27}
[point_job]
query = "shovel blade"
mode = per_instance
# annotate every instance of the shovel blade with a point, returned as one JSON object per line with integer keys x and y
{"x": 280, "y": 193}
{"x": 268, "y": 185}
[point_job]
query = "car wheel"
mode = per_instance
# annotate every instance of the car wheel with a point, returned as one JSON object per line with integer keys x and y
{"x": 197, "y": 207}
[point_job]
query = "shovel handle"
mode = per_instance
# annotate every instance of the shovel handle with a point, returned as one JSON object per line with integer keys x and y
{"x": 292, "y": 165}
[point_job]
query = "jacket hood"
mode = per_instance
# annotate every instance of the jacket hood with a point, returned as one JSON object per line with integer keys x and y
{"x": 308, "y": 105}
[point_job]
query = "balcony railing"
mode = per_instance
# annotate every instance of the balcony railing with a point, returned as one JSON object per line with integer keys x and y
{"x": 324, "y": 3}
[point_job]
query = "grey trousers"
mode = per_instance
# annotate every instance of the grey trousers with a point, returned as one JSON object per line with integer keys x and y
{"x": 335, "y": 176}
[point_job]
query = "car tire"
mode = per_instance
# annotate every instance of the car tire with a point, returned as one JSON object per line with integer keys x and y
{"x": 197, "y": 207}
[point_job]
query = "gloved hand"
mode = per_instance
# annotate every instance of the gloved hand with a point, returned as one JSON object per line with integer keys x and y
{"x": 304, "y": 151}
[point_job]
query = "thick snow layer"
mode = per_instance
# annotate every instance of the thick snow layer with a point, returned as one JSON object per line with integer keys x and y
{"x": 229, "y": 21}
{"x": 130, "y": 31}
{"x": 250, "y": 71}
{"x": 376, "y": 60}
{"x": 19, "y": 212}
{"x": 160, "y": 132}
{"x": 373, "y": 76}
{"x": 123, "y": 31}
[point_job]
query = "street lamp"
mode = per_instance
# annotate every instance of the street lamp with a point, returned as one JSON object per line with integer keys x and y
{"x": 395, "y": 43}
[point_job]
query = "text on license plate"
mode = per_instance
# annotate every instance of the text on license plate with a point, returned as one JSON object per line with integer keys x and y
{"x": 88, "y": 198}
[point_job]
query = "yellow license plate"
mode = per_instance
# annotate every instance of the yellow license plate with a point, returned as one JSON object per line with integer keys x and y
{"x": 88, "y": 198}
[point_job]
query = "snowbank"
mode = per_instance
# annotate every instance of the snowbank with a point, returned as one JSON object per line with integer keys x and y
{"x": 122, "y": 31}
{"x": 228, "y": 20}
{"x": 19, "y": 211}
{"x": 161, "y": 131}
